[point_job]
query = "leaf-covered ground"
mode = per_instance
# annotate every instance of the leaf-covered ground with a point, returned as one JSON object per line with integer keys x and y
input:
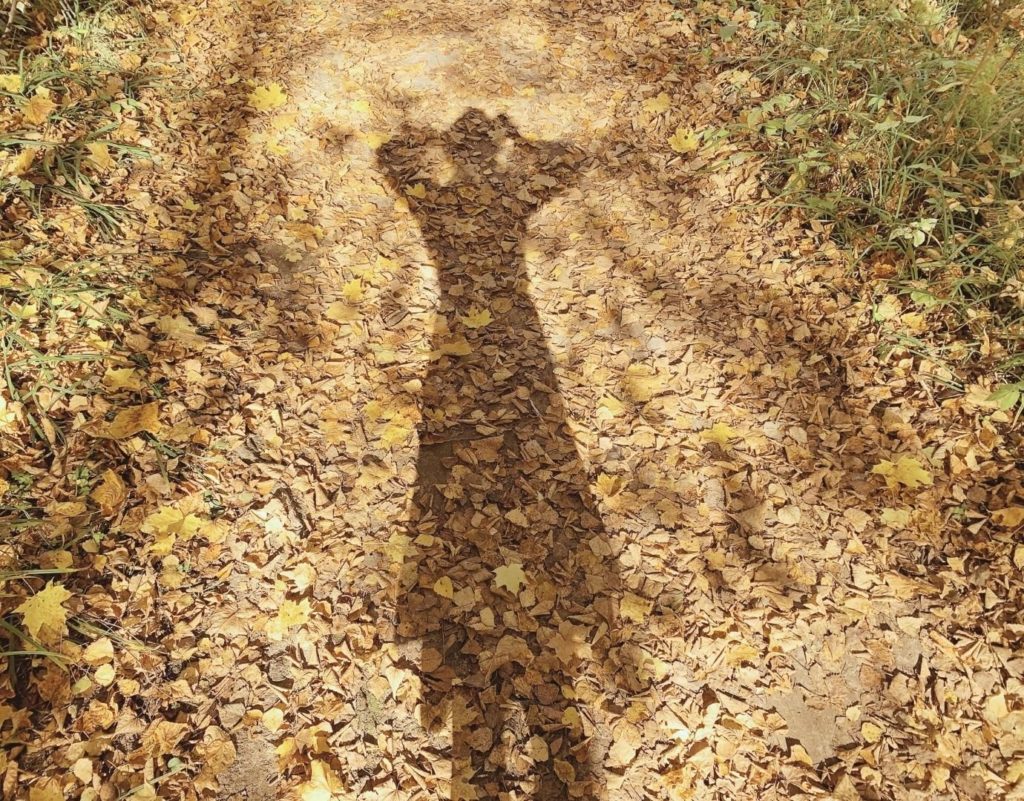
{"x": 477, "y": 432}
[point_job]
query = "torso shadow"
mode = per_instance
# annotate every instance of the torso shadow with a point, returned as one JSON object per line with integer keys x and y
{"x": 506, "y": 595}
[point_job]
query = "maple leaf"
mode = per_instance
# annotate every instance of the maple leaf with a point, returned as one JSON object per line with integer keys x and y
{"x": 609, "y": 485}
{"x": 37, "y": 110}
{"x": 684, "y": 140}
{"x": 353, "y": 291}
{"x": 906, "y": 470}
{"x": 267, "y": 98}
{"x": 659, "y": 104}
{"x": 477, "y": 318}
{"x": 510, "y": 576}
{"x": 45, "y": 610}
{"x": 289, "y": 615}
{"x": 168, "y": 523}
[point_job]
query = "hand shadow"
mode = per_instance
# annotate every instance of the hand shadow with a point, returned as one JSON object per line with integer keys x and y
{"x": 502, "y": 508}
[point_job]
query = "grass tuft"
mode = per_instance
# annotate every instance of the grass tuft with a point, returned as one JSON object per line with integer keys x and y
{"x": 902, "y": 125}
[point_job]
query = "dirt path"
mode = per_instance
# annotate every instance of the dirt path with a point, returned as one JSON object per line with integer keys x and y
{"x": 531, "y": 460}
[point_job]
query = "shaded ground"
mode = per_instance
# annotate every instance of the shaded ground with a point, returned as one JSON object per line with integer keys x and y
{"x": 456, "y": 306}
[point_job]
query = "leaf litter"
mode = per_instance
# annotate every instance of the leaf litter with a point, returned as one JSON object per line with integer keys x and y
{"x": 477, "y": 435}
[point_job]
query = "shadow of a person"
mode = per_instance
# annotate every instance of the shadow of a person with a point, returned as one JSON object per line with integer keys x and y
{"x": 506, "y": 595}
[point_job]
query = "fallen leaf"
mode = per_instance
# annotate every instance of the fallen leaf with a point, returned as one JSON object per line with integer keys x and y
{"x": 633, "y": 607}
{"x": 38, "y": 109}
{"x": 267, "y": 98}
{"x": 684, "y": 140}
{"x": 477, "y": 318}
{"x": 721, "y": 433}
{"x": 45, "y": 610}
{"x": 510, "y": 576}
{"x": 906, "y": 471}
{"x": 110, "y": 494}
{"x": 131, "y": 421}
{"x": 1010, "y": 517}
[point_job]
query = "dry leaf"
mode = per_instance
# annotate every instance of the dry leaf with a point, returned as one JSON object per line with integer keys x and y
{"x": 45, "y": 611}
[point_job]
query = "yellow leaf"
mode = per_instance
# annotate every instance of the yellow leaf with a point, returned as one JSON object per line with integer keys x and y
{"x": 659, "y": 104}
{"x": 353, "y": 291}
{"x": 417, "y": 190}
{"x": 443, "y": 587}
{"x": 10, "y": 82}
{"x": 906, "y": 471}
{"x": 477, "y": 318}
{"x": 129, "y": 422}
{"x": 361, "y": 106}
{"x": 323, "y": 784}
{"x": 375, "y": 138}
{"x": 510, "y": 576}
{"x": 99, "y": 155}
{"x": 684, "y": 140}
{"x": 267, "y": 98}
{"x": 39, "y": 108}
{"x": 99, "y": 651}
{"x": 272, "y": 719}
{"x": 870, "y": 732}
{"x": 122, "y": 378}
{"x": 341, "y": 312}
{"x": 289, "y": 615}
{"x": 104, "y": 675}
{"x": 458, "y": 346}
{"x": 47, "y": 790}
{"x": 1010, "y": 517}
{"x": 171, "y": 520}
{"x": 609, "y": 485}
{"x": 895, "y": 518}
{"x": 720, "y": 433}
{"x": 45, "y": 610}
{"x": 611, "y": 407}
{"x": 110, "y": 494}
{"x": 633, "y": 607}
{"x": 20, "y": 164}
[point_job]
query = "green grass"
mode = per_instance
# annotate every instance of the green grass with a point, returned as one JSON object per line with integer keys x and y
{"x": 902, "y": 125}
{"x": 63, "y": 299}
{"x": 82, "y": 62}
